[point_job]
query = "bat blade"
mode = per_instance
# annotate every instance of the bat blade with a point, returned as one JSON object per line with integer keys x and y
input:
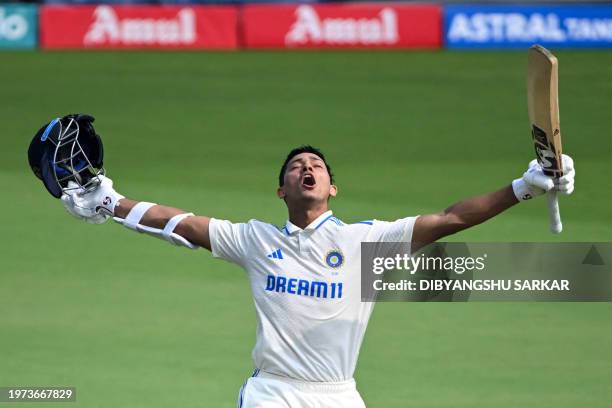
{"x": 543, "y": 107}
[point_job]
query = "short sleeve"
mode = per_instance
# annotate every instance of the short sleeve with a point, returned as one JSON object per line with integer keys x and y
{"x": 229, "y": 241}
{"x": 392, "y": 231}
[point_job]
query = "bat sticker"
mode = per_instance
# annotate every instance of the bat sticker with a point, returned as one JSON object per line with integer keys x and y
{"x": 545, "y": 152}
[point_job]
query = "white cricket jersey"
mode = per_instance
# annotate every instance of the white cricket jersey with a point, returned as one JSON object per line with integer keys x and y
{"x": 306, "y": 288}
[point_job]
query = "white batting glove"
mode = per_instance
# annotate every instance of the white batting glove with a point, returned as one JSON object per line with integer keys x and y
{"x": 534, "y": 182}
{"x": 81, "y": 213}
{"x": 95, "y": 206}
{"x": 565, "y": 185}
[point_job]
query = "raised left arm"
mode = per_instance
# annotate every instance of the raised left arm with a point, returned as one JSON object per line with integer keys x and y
{"x": 473, "y": 211}
{"x": 459, "y": 216}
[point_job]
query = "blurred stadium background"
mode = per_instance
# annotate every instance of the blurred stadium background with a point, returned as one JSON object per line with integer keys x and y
{"x": 133, "y": 322}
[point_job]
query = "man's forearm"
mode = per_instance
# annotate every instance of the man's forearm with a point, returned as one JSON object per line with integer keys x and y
{"x": 476, "y": 210}
{"x": 194, "y": 229}
{"x": 459, "y": 216}
{"x": 157, "y": 216}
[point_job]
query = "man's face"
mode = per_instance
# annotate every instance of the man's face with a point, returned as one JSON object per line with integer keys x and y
{"x": 306, "y": 179}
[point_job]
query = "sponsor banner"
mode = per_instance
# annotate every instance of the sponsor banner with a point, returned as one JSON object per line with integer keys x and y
{"x": 346, "y": 26}
{"x": 512, "y": 26}
{"x": 107, "y": 26}
{"x": 18, "y": 26}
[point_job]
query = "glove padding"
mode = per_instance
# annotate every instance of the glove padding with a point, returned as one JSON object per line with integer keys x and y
{"x": 534, "y": 182}
{"x": 95, "y": 206}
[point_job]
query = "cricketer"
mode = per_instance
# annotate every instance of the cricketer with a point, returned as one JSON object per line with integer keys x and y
{"x": 304, "y": 277}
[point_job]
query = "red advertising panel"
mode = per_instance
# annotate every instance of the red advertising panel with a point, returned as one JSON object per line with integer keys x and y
{"x": 106, "y": 26}
{"x": 351, "y": 25}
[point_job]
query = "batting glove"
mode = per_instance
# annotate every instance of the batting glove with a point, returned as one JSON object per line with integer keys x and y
{"x": 95, "y": 206}
{"x": 534, "y": 182}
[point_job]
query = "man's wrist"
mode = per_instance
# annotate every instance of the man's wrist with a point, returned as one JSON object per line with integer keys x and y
{"x": 109, "y": 202}
{"x": 522, "y": 190}
{"x": 123, "y": 207}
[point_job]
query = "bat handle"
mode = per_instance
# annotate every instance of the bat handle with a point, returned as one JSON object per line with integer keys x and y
{"x": 553, "y": 209}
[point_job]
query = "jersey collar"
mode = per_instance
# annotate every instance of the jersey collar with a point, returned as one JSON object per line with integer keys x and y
{"x": 290, "y": 228}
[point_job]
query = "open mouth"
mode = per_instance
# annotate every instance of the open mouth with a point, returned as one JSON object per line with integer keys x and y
{"x": 308, "y": 181}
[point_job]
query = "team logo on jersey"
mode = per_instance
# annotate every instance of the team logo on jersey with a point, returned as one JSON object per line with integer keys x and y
{"x": 334, "y": 259}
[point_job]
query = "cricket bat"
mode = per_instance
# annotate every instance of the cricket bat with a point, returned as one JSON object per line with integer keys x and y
{"x": 543, "y": 105}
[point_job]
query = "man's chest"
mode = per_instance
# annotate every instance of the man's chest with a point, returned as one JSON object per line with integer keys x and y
{"x": 316, "y": 266}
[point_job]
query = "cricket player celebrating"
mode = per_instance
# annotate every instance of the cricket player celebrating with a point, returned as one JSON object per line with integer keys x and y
{"x": 304, "y": 276}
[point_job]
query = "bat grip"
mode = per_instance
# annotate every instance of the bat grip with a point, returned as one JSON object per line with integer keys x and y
{"x": 553, "y": 209}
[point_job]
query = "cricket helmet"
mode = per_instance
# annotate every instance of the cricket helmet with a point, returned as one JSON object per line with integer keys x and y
{"x": 67, "y": 149}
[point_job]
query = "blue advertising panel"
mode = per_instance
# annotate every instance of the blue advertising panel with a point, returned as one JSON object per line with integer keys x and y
{"x": 18, "y": 26}
{"x": 514, "y": 26}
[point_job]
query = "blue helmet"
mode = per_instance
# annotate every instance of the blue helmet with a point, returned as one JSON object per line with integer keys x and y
{"x": 67, "y": 149}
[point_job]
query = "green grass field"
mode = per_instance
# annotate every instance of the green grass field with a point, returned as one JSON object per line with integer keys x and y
{"x": 133, "y": 322}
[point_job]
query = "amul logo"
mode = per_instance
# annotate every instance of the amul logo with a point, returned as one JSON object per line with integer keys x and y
{"x": 310, "y": 27}
{"x": 110, "y": 28}
{"x": 13, "y": 26}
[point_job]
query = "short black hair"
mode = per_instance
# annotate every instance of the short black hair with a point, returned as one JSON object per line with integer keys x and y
{"x": 300, "y": 150}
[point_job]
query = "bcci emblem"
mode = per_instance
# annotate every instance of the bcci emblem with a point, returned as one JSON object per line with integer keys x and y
{"x": 334, "y": 259}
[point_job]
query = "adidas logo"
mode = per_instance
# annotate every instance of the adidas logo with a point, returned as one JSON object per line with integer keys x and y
{"x": 278, "y": 254}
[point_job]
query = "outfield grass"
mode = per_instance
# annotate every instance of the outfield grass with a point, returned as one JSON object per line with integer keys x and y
{"x": 133, "y": 322}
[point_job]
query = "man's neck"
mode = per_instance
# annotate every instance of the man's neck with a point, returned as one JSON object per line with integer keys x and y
{"x": 303, "y": 217}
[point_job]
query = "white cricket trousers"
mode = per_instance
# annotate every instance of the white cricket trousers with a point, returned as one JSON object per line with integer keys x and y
{"x": 265, "y": 390}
